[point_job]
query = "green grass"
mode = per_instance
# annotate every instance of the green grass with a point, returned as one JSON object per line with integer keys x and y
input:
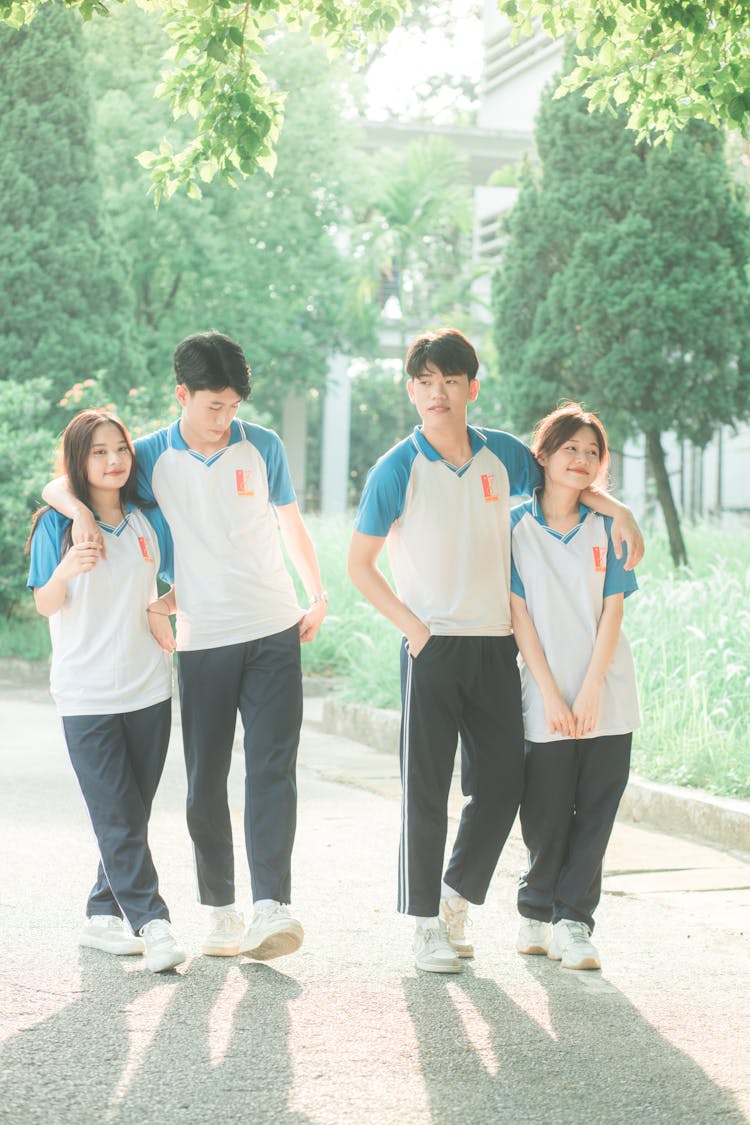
{"x": 690, "y": 635}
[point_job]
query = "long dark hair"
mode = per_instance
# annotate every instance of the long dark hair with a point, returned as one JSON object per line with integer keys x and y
{"x": 72, "y": 462}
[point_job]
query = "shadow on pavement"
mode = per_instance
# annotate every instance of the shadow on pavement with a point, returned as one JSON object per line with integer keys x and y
{"x": 579, "y": 1052}
{"x": 209, "y": 1045}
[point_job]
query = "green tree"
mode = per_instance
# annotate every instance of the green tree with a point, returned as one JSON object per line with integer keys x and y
{"x": 266, "y": 262}
{"x": 214, "y": 76}
{"x": 667, "y": 60}
{"x": 623, "y": 283}
{"x": 65, "y": 305}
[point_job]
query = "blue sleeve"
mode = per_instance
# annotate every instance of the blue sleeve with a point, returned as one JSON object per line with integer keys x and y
{"x": 516, "y": 584}
{"x": 617, "y": 580}
{"x": 148, "y": 450}
{"x": 382, "y": 500}
{"x": 164, "y": 539}
{"x": 45, "y": 548}
{"x": 271, "y": 448}
{"x": 523, "y": 472}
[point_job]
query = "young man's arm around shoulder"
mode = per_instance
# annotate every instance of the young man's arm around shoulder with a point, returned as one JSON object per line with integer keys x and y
{"x": 364, "y": 572}
{"x": 85, "y": 529}
{"x": 302, "y": 553}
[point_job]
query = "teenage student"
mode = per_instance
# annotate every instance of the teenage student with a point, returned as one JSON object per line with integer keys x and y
{"x": 224, "y": 487}
{"x": 111, "y": 676}
{"x": 579, "y": 696}
{"x": 441, "y": 498}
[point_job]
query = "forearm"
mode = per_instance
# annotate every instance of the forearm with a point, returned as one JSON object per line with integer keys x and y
{"x": 300, "y": 548}
{"x": 370, "y": 581}
{"x": 51, "y": 597}
{"x": 607, "y": 636}
{"x": 530, "y": 646}
{"x": 58, "y": 495}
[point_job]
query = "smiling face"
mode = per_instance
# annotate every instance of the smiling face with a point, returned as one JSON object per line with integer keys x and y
{"x": 207, "y": 417}
{"x": 441, "y": 400}
{"x": 109, "y": 462}
{"x": 576, "y": 463}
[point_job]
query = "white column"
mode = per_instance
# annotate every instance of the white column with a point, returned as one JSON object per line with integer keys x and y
{"x": 334, "y": 471}
{"x": 294, "y": 434}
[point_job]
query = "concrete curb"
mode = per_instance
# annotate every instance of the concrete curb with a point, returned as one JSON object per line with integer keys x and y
{"x": 721, "y": 821}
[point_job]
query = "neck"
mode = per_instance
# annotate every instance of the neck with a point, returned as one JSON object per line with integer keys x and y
{"x": 206, "y": 449}
{"x": 107, "y": 505}
{"x": 453, "y": 444}
{"x": 559, "y": 504}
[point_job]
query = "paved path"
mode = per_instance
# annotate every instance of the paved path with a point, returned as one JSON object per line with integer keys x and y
{"x": 347, "y": 1030}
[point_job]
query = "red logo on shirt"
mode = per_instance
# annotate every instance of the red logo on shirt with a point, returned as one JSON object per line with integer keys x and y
{"x": 600, "y": 559}
{"x": 242, "y": 482}
{"x": 488, "y": 488}
{"x": 144, "y": 549}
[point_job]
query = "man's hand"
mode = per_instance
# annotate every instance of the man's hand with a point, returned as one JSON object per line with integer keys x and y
{"x": 85, "y": 529}
{"x": 417, "y": 638}
{"x": 311, "y": 622}
{"x": 626, "y": 530}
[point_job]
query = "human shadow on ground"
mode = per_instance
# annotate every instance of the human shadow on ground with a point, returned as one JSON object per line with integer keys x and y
{"x": 581, "y": 1052}
{"x": 136, "y": 1047}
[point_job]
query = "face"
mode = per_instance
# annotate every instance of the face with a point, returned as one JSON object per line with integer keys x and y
{"x": 441, "y": 399}
{"x": 207, "y": 416}
{"x": 576, "y": 463}
{"x": 109, "y": 462}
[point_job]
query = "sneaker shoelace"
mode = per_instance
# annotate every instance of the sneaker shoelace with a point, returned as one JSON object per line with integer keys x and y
{"x": 578, "y": 932}
{"x": 224, "y": 923}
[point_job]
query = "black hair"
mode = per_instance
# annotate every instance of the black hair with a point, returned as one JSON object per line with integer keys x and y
{"x": 210, "y": 361}
{"x": 448, "y": 350}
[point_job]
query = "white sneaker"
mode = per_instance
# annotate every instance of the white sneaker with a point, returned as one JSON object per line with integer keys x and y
{"x": 162, "y": 950}
{"x": 223, "y": 940}
{"x": 272, "y": 933}
{"x": 109, "y": 933}
{"x": 570, "y": 946}
{"x": 454, "y": 911}
{"x": 432, "y": 950}
{"x": 533, "y": 937}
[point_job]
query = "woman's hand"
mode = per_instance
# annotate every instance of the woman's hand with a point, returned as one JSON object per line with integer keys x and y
{"x": 586, "y": 710}
{"x": 160, "y": 625}
{"x": 81, "y": 558}
{"x": 560, "y": 718}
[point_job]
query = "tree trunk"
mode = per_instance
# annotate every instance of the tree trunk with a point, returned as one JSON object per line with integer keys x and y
{"x": 666, "y": 499}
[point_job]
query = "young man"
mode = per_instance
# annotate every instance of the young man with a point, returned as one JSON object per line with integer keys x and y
{"x": 441, "y": 498}
{"x": 225, "y": 490}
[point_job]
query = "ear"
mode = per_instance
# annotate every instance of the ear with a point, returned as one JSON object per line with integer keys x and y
{"x": 410, "y": 389}
{"x": 182, "y": 394}
{"x": 473, "y": 390}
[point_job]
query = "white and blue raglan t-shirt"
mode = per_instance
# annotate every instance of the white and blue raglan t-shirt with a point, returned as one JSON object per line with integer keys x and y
{"x": 231, "y": 583}
{"x": 564, "y": 580}
{"x": 104, "y": 658}
{"x": 448, "y": 529}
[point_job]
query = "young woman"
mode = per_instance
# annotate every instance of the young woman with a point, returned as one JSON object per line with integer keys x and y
{"x": 111, "y": 676}
{"x": 579, "y": 695}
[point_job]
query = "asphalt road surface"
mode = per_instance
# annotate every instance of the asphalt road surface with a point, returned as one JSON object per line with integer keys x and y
{"x": 347, "y": 1030}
